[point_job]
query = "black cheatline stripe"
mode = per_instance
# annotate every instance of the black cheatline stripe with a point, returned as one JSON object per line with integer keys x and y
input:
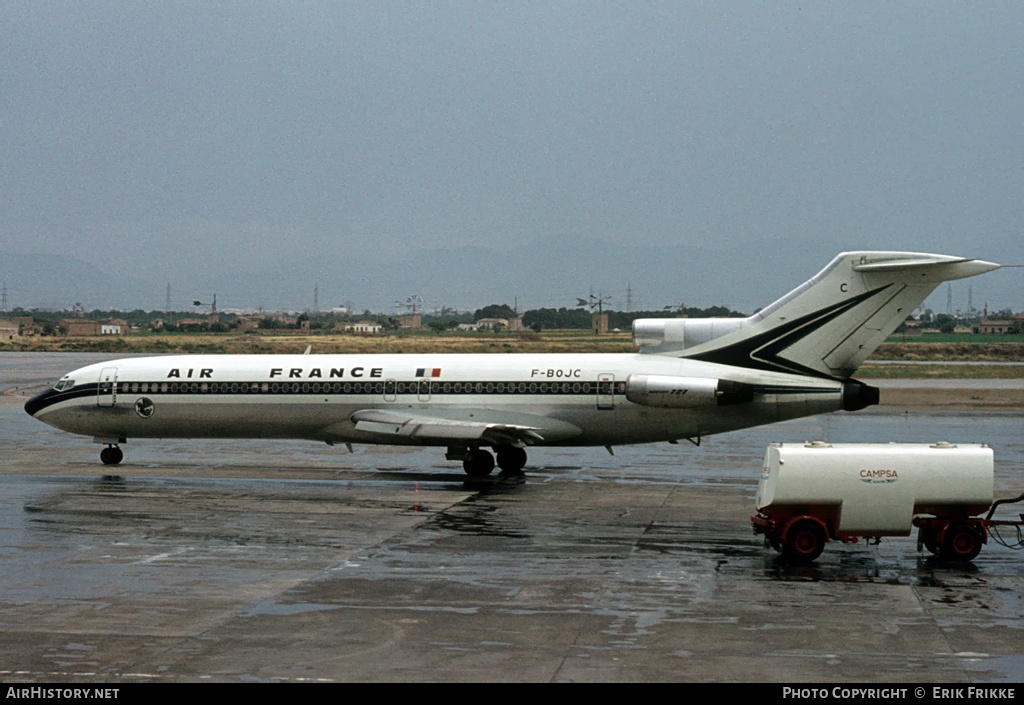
{"x": 51, "y": 397}
{"x": 761, "y": 352}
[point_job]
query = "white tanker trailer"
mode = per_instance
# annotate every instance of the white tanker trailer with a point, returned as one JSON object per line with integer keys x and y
{"x": 811, "y": 493}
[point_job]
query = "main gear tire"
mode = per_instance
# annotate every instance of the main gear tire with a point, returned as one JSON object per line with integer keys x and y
{"x": 479, "y": 463}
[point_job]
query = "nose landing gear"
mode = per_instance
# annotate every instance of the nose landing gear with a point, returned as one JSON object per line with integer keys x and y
{"x": 111, "y": 455}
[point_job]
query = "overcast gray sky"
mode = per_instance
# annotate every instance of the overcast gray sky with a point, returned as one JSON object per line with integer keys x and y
{"x": 188, "y": 137}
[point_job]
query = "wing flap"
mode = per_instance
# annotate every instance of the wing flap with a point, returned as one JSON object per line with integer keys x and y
{"x": 412, "y": 429}
{"x": 436, "y": 429}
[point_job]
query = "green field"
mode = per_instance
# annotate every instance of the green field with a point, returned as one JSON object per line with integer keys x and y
{"x": 954, "y": 338}
{"x": 938, "y": 370}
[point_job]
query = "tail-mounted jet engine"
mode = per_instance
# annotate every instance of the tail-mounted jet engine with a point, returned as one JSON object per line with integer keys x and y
{"x": 664, "y": 335}
{"x": 670, "y": 392}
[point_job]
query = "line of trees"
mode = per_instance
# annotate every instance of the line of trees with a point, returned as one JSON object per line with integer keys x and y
{"x": 579, "y": 318}
{"x": 537, "y": 319}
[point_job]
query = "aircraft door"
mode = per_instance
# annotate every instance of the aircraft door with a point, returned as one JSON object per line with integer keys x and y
{"x": 390, "y": 390}
{"x": 106, "y": 391}
{"x": 424, "y": 390}
{"x": 605, "y": 391}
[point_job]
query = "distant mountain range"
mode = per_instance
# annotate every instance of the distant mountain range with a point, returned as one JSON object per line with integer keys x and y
{"x": 552, "y": 272}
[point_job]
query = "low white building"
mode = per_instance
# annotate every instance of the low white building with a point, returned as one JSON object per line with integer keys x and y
{"x": 364, "y": 327}
{"x": 506, "y": 324}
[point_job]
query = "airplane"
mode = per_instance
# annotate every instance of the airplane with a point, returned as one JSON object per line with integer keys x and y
{"x": 689, "y": 379}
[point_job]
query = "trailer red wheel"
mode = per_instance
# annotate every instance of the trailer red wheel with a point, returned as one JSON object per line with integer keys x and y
{"x": 805, "y": 541}
{"x": 962, "y": 542}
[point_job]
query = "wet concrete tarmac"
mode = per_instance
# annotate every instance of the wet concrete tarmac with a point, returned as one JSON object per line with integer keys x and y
{"x": 289, "y": 561}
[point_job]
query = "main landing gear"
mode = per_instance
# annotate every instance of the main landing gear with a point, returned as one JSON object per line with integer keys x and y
{"x": 478, "y": 462}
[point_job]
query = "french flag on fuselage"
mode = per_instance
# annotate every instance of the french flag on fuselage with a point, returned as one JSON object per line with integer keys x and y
{"x": 428, "y": 372}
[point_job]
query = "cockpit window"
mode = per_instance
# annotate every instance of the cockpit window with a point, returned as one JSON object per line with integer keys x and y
{"x": 64, "y": 385}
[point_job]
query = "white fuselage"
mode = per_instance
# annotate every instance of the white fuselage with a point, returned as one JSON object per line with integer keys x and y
{"x": 580, "y": 399}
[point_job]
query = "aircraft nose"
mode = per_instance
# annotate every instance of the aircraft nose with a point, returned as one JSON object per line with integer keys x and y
{"x": 39, "y": 402}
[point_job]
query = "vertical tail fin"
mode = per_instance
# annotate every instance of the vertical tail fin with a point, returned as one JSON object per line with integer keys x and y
{"x": 827, "y": 326}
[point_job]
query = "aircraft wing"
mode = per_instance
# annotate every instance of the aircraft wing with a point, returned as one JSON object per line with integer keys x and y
{"x": 485, "y": 427}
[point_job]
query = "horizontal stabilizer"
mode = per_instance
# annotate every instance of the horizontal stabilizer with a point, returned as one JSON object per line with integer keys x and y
{"x": 931, "y": 269}
{"x": 893, "y": 265}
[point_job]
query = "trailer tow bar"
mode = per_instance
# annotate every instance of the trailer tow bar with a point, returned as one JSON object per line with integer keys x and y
{"x": 1017, "y": 525}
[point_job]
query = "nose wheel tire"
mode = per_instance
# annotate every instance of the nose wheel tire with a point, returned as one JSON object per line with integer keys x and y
{"x": 111, "y": 455}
